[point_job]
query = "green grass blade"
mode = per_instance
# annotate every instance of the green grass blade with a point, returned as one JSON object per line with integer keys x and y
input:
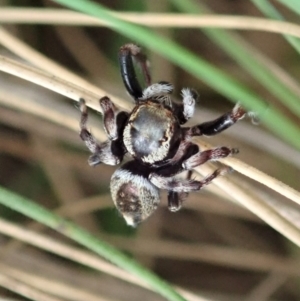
{"x": 293, "y": 5}
{"x": 231, "y": 44}
{"x": 270, "y": 11}
{"x": 276, "y": 121}
{"x": 71, "y": 230}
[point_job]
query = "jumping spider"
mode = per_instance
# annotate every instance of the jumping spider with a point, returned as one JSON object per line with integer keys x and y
{"x": 152, "y": 134}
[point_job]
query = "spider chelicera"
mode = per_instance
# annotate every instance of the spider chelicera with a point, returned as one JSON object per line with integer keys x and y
{"x": 152, "y": 134}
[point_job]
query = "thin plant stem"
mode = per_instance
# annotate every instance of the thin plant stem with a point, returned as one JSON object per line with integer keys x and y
{"x": 64, "y": 17}
{"x": 232, "y": 256}
{"x": 47, "y": 284}
{"x": 24, "y": 290}
{"x": 264, "y": 211}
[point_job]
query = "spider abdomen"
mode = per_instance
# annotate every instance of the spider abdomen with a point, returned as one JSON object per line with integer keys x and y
{"x": 149, "y": 132}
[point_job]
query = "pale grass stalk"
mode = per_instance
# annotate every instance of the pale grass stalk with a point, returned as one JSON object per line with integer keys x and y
{"x": 94, "y": 61}
{"x": 50, "y": 285}
{"x": 267, "y": 213}
{"x": 230, "y": 257}
{"x": 232, "y": 162}
{"x": 220, "y": 255}
{"x": 46, "y": 243}
{"x": 49, "y": 81}
{"x": 267, "y": 287}
{"x": 88, "y": 205}
{"x": 31, "y": 55}
{"x": 82, "y": 207}
{"x": 23, "y": 289}
{"x": 276, "y": 69}
{"x": 38, "y": 109}
{"x": 68, "y": 17}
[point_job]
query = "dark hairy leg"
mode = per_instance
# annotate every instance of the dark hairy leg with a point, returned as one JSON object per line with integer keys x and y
{"x": 113, "y": 118}
{"x": 127, "y": 53}
{"x": 85, "y": 134}
{"x": 208, "y": 155}
{"x": 220, "y": 124}
{"x": 181, "y": 186}
{"x": 108, "y": 152}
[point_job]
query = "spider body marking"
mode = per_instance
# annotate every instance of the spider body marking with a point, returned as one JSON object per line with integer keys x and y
{"x": 152, "y": 134}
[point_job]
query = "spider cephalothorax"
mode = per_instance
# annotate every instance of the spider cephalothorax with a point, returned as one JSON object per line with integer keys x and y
{"x": 152, "y": 134}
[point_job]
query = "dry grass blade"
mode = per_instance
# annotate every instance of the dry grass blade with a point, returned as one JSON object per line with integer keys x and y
{"x": 51, "y": 286}
{"x": 46, "y": 80}
{"x": 71, "y": 253}
{"x": 247, "y": 198}
{"x": 24, "y": 290}
{"x": 267, "y": 287}
{"x": 51, "y": 245}
{"x": 65, "y": 17}
{"x": 31, "y": 55}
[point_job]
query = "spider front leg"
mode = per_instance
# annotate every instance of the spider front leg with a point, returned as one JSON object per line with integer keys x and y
{"x": 127, "y": 53}
{"x": 109, "y": 152}
{"x": 220, "y": 124}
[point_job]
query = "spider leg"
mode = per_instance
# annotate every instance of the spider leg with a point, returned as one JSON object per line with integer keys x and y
{"x": 109, "y": 152}
{"x": 113, "y": 119}
{"x": 220, "y": 124}
{"x": 191, "y": 157}
{"x": 208, "y": 155}
{"x": 127, "y": 53}
{"x": 185, "y": 186}
{"x": 104, "y": 154}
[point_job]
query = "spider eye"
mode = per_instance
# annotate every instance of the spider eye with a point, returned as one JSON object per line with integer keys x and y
{"x": 133, "y": 195}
